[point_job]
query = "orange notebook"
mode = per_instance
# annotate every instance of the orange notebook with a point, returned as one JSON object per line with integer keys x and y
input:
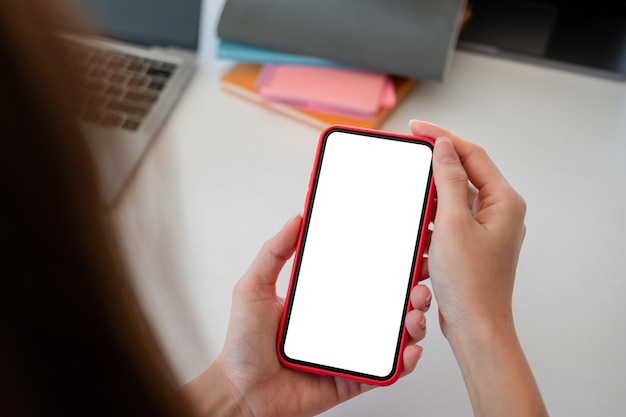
{"x": 242, "y": 78}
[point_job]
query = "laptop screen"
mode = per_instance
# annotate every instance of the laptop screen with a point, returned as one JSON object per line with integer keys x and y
{"x": 148, "y": 22}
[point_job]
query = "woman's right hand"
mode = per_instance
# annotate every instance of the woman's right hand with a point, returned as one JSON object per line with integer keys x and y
{"x": 478, "y": 233}
{"x": 472, "y": 259}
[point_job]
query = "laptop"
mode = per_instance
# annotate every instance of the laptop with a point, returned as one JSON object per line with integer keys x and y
{"x": 132, "y": 74}
{"x": 587, "y": 36}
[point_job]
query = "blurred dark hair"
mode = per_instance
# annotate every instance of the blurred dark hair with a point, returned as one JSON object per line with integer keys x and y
{"x": 73, "y": 340}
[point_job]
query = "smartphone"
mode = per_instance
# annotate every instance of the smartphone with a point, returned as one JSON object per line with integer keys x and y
{"x": 359, "y": 253}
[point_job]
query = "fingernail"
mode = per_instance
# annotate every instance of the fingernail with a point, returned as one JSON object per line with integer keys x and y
{"x": 428, "y": 301}
{"x": 292, "y": 218}
{"x": 444, "y": 150}
{"x": 423, "y": 323}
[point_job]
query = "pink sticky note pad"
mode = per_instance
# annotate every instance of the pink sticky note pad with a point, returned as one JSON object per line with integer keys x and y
{"x": 388, "y": 100}
{"x": 347, "y": 91}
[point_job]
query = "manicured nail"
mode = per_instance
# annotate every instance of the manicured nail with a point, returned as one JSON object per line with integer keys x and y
{"x": 413, "y": 121}
{"x": 444, "y": 150}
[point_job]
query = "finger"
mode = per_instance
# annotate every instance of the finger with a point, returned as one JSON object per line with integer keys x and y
{"x": 410, "y": 357}
{"x": 274, "y": 253}
{"x": 450, "y": 180}
{"x": 415, "y": 324}
{"x": 429, "y": 130}
{"x": 479, "y": 167}
{"x": 421, "y": 297}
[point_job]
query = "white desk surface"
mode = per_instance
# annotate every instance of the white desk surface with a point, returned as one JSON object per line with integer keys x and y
{"x": 225, "y": 174}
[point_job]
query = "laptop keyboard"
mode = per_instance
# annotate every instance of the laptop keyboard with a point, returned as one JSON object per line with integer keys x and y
{"x": 119, "y": 89}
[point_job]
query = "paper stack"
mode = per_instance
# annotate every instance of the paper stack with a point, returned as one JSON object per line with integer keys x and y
{"x": 315, "y": 95}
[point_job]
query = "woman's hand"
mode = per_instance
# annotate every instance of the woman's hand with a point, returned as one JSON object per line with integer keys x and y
{"x": 478, "y": 234}
{"x": 247, "y": 378}
{"x": 474, "y": 249}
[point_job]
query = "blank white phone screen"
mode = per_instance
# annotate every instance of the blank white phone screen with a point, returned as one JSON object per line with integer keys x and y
{"x": 358, "y": 254}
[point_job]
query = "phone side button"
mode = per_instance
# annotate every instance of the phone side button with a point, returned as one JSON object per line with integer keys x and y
{"x": 311, "y": 179}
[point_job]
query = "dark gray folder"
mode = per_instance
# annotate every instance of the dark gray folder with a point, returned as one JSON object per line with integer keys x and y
{"x": 413, "y": 38}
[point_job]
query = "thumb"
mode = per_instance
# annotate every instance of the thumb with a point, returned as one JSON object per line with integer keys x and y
{"x": 450, "y": 179}
{"x": 274, "y": 253}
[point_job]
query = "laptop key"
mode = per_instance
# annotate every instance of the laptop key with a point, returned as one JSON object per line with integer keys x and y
{"x": 136, "y": 66}
{"x": 130, "y": 108}
{"x": 118, "y": 78}
{"x": 99, "y": 73}
{"x": 130, "y": 124}
{"x": 111, "y": 120}
{"x": 115, "y": 65}
{"x": 156, "y": 85}
{"x": 159, "y": 72}
{"x": 168, "y": 66}
{"x": 141, "y": 96}
{"x": 136, "y": 81}
{"x": 113, "y": 90}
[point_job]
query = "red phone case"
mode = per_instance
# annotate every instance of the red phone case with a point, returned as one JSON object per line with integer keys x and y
{"x": 428, "y": 216}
